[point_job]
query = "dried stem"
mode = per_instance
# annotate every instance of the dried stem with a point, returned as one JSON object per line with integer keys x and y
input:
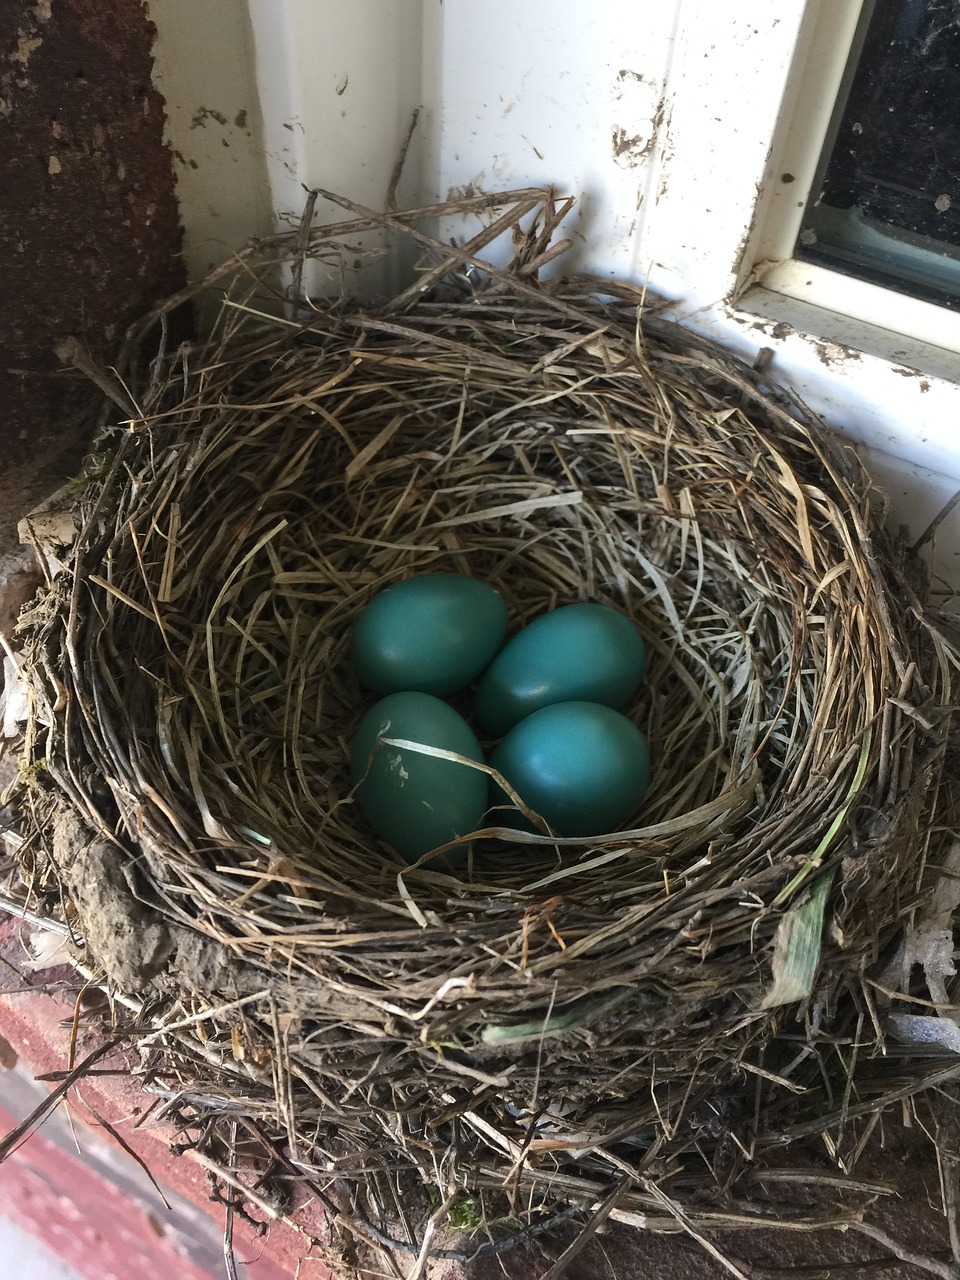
{"x": 557, "y": 1008}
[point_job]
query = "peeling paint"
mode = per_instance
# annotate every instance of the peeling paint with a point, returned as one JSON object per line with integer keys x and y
{"x": 904, "y": 371}
{"x": 630, "y": 149}
{"x": 830, "y": 352}
{"x": 778, "y": 330}
{"x": 633, "y": 143}
{"x": 759, "y": 269}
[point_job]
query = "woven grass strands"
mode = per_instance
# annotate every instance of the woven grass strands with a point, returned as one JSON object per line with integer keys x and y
{"x": 634, "y": 1024}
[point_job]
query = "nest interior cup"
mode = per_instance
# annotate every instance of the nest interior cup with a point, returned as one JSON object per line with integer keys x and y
{"x": 195, "y": 703}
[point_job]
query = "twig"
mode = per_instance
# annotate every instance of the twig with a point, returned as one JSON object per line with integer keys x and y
{"x": 676, "y": 1211}
{"x": 70, "y": 352}
{"x": 20, "y": 912}
{"x": 430, "y": 1230}
{"x": 945, "y": 1270}
{"x": 397, "y": 170}
{"x": 945, "y": 511}
{"x": 121, "y": 1142}
{"x": 53, "y": 1099}
{"x": 229, "y": 1257}
{"x": 597, "y": 1219}
{"x": 302, "y": 245}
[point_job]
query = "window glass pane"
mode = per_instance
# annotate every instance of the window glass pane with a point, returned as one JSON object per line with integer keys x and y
{"x": 886, "y": 204}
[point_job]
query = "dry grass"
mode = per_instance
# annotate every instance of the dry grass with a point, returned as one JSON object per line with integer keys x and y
{"x": 602, "y": 1023}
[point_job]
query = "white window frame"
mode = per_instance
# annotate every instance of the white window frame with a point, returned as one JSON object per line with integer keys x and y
{"x": 820, "y": 63}
{"x": 845, "y": 345}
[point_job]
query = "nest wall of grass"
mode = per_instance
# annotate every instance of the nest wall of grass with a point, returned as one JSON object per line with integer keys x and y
{"x": 556, "y": 1002}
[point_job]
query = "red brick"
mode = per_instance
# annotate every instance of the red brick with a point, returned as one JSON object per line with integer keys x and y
{"x": 82, "y": 1208}
{"x": 88, "y": 1223}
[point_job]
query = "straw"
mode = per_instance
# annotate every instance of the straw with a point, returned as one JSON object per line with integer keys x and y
{"x": 527, "y": 1028}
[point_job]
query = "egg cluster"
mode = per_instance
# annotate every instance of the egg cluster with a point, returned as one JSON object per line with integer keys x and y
{"x": 550, "y": 695}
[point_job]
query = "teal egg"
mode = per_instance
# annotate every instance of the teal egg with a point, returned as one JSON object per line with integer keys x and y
{"x": 413, "y": 801}
{"x": 433, "y": 633}
{"x": 582, "y": 767}
{"x": 578, "y": 653}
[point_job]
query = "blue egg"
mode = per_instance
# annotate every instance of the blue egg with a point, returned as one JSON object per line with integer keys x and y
{"x": 583, "y": 767}
{"x": 433, "y": 633}
{"x": 579, "y": 653}
{"x": 417, "y": 802}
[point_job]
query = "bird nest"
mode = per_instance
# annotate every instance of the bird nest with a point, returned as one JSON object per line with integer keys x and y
{"x": 589, "y": 1023}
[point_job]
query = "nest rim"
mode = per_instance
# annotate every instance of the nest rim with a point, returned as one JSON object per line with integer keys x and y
{"x": 731, "y": 964}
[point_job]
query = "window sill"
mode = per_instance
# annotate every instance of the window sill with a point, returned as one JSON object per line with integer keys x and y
{"x": 890, "y": 392}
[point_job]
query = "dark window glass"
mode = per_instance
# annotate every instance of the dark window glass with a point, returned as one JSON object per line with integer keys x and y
{"x": 886, "y": 203}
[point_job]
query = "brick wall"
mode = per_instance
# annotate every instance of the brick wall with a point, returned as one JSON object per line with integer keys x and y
{"x": 73, "y": 1186}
